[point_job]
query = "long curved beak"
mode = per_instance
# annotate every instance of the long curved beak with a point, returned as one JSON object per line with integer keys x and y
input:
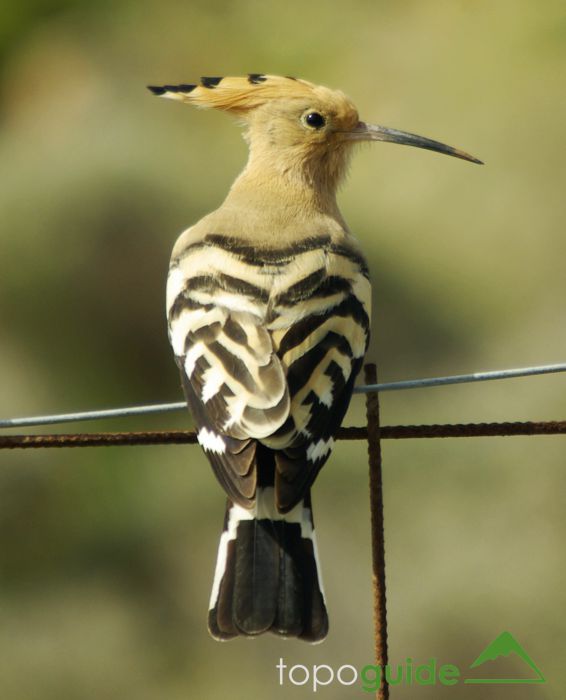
{"x": 374, "y": 132}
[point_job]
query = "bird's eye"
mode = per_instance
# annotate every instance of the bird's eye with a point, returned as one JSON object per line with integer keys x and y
{"x": 314, "y": 120}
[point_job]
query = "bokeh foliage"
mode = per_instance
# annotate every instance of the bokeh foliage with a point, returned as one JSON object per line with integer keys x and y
{"x": 106, "y": 555}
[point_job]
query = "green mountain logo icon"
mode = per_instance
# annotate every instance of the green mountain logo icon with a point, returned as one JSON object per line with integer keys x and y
{"x": 505, "y": 645}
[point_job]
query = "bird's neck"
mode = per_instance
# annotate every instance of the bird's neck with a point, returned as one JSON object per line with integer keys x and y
{"x": 284, "y": 188}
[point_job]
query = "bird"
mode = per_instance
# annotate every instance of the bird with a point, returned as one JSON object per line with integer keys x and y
{"x": 268, "y": 308}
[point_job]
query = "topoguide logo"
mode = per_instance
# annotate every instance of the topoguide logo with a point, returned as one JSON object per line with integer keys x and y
{"x": 409, "y": 673}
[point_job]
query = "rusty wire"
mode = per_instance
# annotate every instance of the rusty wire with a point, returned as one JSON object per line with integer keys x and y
{"x": 377, "y": 529}
{"x": 183, "y": 437}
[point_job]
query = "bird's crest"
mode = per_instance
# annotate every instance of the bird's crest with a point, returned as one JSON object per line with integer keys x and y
{"x": 237, "y": 94}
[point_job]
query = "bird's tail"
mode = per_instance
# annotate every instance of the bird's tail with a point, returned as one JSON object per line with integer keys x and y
{"x": 267, "y": 577}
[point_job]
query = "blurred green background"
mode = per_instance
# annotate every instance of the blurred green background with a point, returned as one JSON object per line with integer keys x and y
{"x": 106, "y": 555}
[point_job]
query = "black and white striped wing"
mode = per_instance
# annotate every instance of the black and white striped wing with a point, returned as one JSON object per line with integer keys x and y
{"x": 233, "y": 380}
{"x": 322, "y": 351}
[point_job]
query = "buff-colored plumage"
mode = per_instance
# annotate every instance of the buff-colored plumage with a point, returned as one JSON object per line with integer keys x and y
{"x": 268, "y": 302}
{"x": 243, "y": 95}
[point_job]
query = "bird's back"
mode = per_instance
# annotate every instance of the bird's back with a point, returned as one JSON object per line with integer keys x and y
{"x": 269, "y": 333}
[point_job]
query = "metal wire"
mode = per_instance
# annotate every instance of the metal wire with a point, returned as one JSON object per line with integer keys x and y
{"x": 463, "y": 378}
{"x": 377, "y": 528}
{"x": 182, "y": 406}
{"x": 387, "y": 432}
{"x": 92, "y": 415}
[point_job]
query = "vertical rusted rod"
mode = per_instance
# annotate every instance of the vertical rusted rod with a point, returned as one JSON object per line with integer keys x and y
{"x": 377, "y": 534}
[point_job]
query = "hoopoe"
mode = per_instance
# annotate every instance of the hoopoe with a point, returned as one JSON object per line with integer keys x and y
{"x": 268, "y": 302}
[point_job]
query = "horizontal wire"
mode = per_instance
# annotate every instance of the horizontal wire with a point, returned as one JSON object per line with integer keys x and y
{"x": 181, "y": 405}
{"x": 462, "y": 378}
{"x": 180, "y": 437}
{"x": 93, "y": 415}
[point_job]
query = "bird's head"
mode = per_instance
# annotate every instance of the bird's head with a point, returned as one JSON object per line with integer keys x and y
{"x": 293, "y": 126}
